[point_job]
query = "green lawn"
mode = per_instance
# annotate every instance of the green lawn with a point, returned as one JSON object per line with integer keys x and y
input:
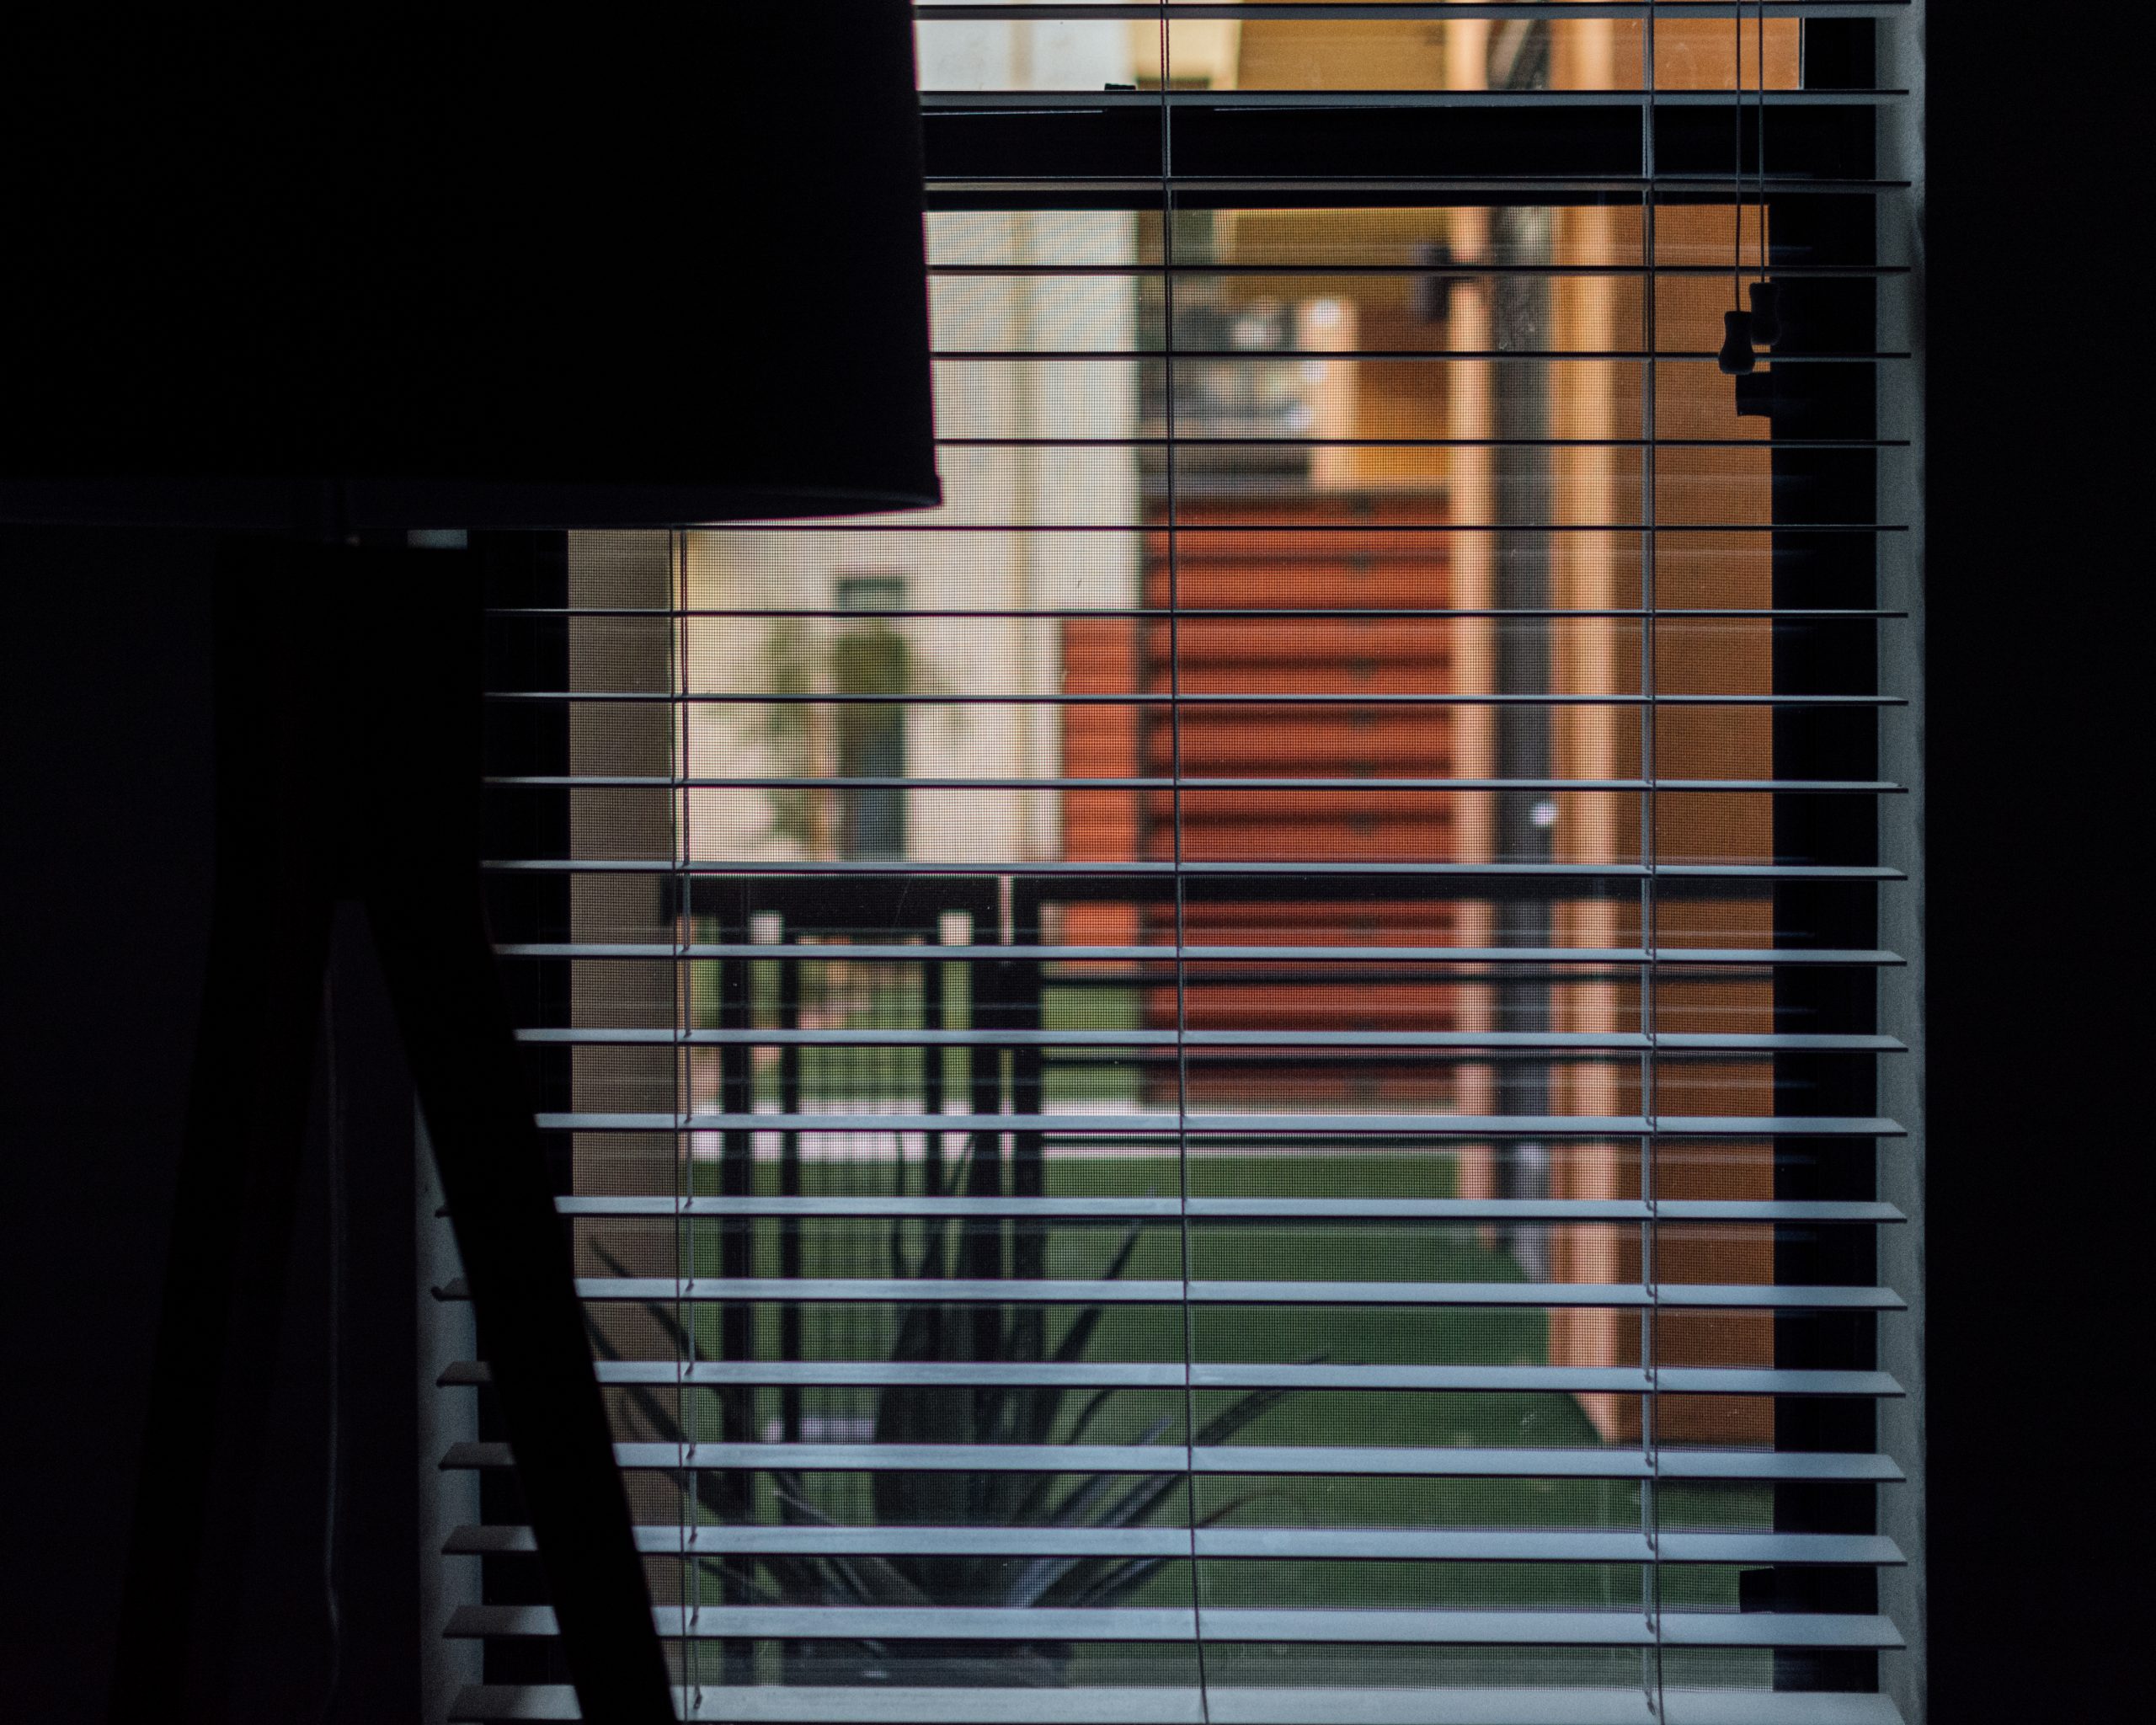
{"x": 1455, "y": 1336}
{"x": 1359, "y": 1251}
{"x": 888, "y": 997}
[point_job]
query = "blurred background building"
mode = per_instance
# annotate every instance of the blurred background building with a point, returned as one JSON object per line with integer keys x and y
{"x": 1425, "y": 424}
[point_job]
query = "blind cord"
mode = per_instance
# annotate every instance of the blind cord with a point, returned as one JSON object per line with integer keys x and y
{"x": 1183, "y": 981}
{"x": 1735, "y": 357}
{"x": 1651, "y": 1674}
{"x": 1766, "y": 319}
{"x": 1759, "y": 163}
{"x": 1737, "y": 170}
{"x": 690, "y": 1571}
{"x": 332, "y": 1607}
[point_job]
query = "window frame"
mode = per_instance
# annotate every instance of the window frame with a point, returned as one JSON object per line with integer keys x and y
{"x": 1050, "y": 143}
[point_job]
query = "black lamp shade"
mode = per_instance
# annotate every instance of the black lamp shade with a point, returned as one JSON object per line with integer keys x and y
{"x": 464, "y": 266}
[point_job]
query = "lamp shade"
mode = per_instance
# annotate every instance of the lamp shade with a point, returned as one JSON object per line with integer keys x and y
{"x": 462, "y": 266}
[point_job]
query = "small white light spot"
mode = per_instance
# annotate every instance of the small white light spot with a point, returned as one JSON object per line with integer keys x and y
{"x": 1544, "y": 814}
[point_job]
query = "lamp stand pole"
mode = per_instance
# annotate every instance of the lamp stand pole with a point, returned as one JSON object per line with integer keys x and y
{"x": 348, "y": 761}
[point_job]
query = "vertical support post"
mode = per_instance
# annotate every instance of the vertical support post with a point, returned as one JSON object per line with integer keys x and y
{"x": 789, "y": 1182}
{"x": 935, "y": 987}
{"x": 736, "y": 1249}
{"x": 936, "y": 980}
{"x": 1028, "y": 1088}
{"x": 981, "y": 1240}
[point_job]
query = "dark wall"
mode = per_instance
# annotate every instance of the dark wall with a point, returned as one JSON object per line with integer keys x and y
{"x": 2037, "y": 894}
{"x": 106, "y": 815}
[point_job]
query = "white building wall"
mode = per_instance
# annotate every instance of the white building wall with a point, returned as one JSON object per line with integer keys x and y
{"x": 993, "y": 492}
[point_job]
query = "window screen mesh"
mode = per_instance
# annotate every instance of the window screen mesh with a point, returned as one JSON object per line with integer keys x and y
{"x": 1233, "y": 1078}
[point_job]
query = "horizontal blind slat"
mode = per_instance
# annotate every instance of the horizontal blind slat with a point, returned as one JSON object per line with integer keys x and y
{"x": 1338, "y": 1626}
{"x": 888, "y": 1291}
{"x": 1371, "y": 11}
{"x": 1313, "y": 1125}
{"x": 1133, "y": 1207}
{"x": 1371, "y": 786}
{"x": 1554, "y": 876}
{"x": 1714, "y": 1381}
{"x": 1315, "y": 1461}
{"x": 1197, "y": 700}
{"x": 1448, "y": 1545}
{"x": 1219, "y": 1705}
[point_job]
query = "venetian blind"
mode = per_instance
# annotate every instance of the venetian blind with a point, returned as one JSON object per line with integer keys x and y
{"x": 1236, "y": 1078}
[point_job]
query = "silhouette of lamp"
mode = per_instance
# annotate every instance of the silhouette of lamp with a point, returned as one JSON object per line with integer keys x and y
{"x": 315, "y": 283}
